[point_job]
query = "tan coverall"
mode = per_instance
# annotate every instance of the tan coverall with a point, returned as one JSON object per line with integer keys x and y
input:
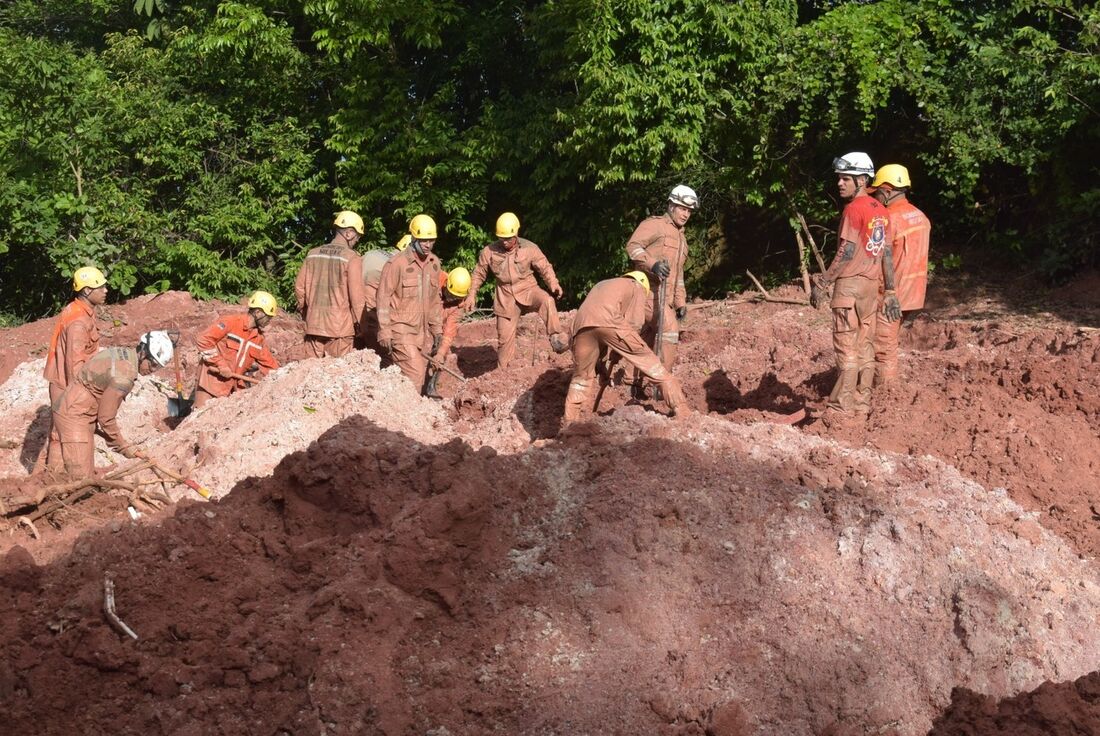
{"x": 517, "y": 292}
{"x": 230, "y": 345}
{"x": 911, "y": 237}
{"x": 410, "y": 311}
{"x": 658, "y": 239}
{"x": 610, "y": 318}
{"x": 93, "y": 398}
{"x": 330, "y": 296}
{"x": 373, "y": 261}
{"x": 75, "y": 340}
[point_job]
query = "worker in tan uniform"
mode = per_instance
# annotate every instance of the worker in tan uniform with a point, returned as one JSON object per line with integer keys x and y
{"x": 410, "y": 310}
{"x": 611, "y": 318}
{"x": 329, "y": 290}
{"x": 514, "y": 261}
{"x": 659, "y": 249}
{"x": 454, "y": 287}
{"x": 863, "y": 261}
{"x": 373, "y": 261}
{"x": 74, "y": 341}
{"x": 92, "y": 400}
{"x": 912, "y": 232}
{"x": 230, "y": 347}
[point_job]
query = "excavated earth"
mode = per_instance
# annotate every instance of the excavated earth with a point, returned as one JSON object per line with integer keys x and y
{"x": 379, "y": 563}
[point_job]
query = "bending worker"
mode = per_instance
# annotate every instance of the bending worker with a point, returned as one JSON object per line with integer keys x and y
{"x": 330, "y": 291}
{"x": 373, "y": 263}
{"x": 92, "y": 400}
{"x": 610, "y": 318}
{"x": 409, "y": 306}
{"x": 514, "y": 261}
{"x": 454, "y": 287}
{"x": 75, "y": 340}
{"x": 231, "y": 346}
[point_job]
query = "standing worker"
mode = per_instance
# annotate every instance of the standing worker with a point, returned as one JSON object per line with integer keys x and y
{"x": 659, "y": 249}
{"x": 863, "y": 260}
{"x": 330, "y": 291}
{"x": 75, "y": 340}
{"x": 610, "y": 318}
{"x": 912, "y": 232}
{"x": 373, "y": 263}
{"x": 514, "y": 261}
{"x": 454, "y": 286}
{"x": 93, "y": 398}
{"x": 409, "y": 306}
{"x": 231, "y": 346}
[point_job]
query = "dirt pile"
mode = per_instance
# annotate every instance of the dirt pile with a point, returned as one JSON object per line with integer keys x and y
{"x": 1065, "y": 709}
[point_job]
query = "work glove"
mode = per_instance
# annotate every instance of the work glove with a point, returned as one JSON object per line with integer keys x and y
{"x": 817, "y": 295}
{"x": 661, "y": 269}
{"x": 131, "y": 452}
{"x": 891, "y": 307}
{"x": 557, "y": 292}
{"x": 681, "y": 313}
{"x": 436, "y": 340}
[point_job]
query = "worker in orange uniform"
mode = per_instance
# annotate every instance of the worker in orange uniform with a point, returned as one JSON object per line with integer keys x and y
{"x": 454, "y": 287}
{"x": 611, "y": 318}
{"x": 330, "y": 291}
{"x": 912, "y": 232}
{"x": 514, "y": 261}
{"x": 75, "y": 340}
{"x": 231, "y": 346}
{"x": 410, "y": 309}
{"x": 91, "y": 401}
{"x": 373, "y": 262}
{"x": 863, "y": 260}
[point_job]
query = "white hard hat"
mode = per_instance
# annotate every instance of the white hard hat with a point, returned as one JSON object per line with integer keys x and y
{"x": 854, "y": 163}
{"x": 684, "y": 195}
{"x": 157, "y": 346}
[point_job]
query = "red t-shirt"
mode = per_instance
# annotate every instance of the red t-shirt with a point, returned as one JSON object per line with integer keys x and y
{"x": 865, "y": 223}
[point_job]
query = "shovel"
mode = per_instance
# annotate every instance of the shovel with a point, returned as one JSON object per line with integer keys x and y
{"x": 177, "y": 405}
{"x": 440, "y": 367}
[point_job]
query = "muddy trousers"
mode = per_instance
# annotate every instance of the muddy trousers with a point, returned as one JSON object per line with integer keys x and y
{"x": 368, "y": 331}
{"x": 670, "y": 335}
{"x": 318, "y": 346}
{"x": 854, "y": 305}
{"x": 409, "y": 358}
{"x": 886, "y": 347}
{"x": 508, "y": 320}
{"x": 74, "y": 417}
{"x": 53, "y": 460}
{"x": 587, "y": 347}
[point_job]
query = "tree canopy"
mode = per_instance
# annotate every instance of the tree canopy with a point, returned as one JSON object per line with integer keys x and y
{"x": 205, "y": 145}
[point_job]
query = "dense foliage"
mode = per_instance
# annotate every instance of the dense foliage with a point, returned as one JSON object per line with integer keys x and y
{"x": 204, "y": 145}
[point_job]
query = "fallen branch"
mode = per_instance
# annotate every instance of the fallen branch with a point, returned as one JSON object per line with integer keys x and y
{"x": 772, "y": 299}
{"x": 109, "y": 609}
{"x": 802, "y": 262}
{"x": 79, "y": 494}
{"x": 813, "y": 243}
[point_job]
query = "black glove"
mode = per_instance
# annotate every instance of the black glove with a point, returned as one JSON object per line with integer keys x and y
{"x": 817, "y": 295}
{"x": 682, "y": 313}
{"x": 661, "y": 269}
{"x": 891, "y": 307}
{"x": 436, "y": 340}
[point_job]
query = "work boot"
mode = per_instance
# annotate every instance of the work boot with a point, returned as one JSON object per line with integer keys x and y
{"x": 559, "y": 345}
{"x": 430, "y": 388}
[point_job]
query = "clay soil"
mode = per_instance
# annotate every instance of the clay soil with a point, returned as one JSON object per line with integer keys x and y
{"x": 377, "y": 563}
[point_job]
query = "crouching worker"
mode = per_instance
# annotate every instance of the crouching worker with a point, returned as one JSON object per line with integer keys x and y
{"x": 611, "y": 318}
{"x": 230, "y": 347}
{"x": 454, "y": 287}
{"x": 92, "y": 400}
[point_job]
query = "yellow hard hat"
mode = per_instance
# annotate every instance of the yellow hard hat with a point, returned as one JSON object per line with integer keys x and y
{"x": 404, "y": 242}
{"x": 264, "y": 301}
{"x": 347, "y": 218}
{"x": 640, "y": 277}
{"x": 422, "y": 227}
{"x": 895, "y": 175}
{"x": 90, "y": 277}
{"x": 507, "y": 225}
{"x": 458, "y": 281}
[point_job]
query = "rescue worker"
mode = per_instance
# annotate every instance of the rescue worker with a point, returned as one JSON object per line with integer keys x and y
{"x": 373, "y": 263}
{"x": 912, "y": 232}
{"x": 611, "y": 318}
{"x": 659, "y": 249}
{"x": 232, "y": 346}
{"x": 75, "y": 340}
{"x": 330, "y": 291}
{"x": 514, "y": 261}
{"x": 91, "y": 401}
{"x": 454, "y": 286}
{"x": 410, "y": 309}
{"x": 863, "y": 261}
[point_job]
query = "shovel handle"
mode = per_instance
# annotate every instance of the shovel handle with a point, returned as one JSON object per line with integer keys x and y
{"x": 246, "y": 379}
{"x": 201, "y": 490}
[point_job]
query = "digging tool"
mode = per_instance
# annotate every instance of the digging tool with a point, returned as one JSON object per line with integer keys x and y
{"x": 178, "y": 406}
{"x": 440, "y": 367}
{"x": 201, "y": 490}
{"x": 246, "y": 379}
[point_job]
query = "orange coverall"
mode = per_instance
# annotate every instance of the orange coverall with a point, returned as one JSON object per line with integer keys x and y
{"x": 230, "y": 345}
{"x": 75, "y": 340}
{"x": 93, "y": 398}
{"x": 611, "y": 317}
{"x": 913, "y": 231}
{"x": 330, "y": 297}
{"x": 373, "y": 261}
{"x": 517, "y": 292}
{"x": 658, "y": 239}
{"x": 410, "y": 311}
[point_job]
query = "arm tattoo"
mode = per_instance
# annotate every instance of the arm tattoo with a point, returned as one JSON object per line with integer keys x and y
{"x": 849, "y": 251}
{"x": 888, "y": 268}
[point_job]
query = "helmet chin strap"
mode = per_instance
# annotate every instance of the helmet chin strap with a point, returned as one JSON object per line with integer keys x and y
{"x": 417, "y": 248}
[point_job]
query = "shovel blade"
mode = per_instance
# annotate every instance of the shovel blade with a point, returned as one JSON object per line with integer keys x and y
{"x": 179, "y": 407}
